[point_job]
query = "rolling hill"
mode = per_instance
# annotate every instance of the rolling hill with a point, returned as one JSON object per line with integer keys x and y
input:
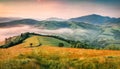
{"x": 50, "y": 57}
{"x": 33, "y": 40}
{"x": 37, "y": 51}
{"x": 45, "y": 41}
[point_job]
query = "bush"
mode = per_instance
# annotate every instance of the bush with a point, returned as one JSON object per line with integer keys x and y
{"x": 61, "y": 45}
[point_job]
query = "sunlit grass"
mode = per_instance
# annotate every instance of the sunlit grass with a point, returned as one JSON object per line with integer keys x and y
{"x": 47, "y": 56}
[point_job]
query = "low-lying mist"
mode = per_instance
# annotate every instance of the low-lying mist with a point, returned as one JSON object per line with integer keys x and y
{"x": 14, "y": 31}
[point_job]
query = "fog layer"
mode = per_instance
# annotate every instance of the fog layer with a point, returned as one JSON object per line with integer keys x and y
{"x": 14, "y": 31}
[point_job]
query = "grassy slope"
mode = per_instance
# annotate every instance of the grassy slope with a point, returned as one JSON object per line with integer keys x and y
{"x": 72, "y": 52}
{"x": 49, "y": 56}
{"x": 45, "y": 41}
{"x": 25, "y": 46}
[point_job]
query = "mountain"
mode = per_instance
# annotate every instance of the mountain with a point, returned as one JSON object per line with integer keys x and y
{"x": 7, "y": 19}
{"x": 19, "y": 23}
{"x": 93, "y": 19}
{"x": 55, "y": 19}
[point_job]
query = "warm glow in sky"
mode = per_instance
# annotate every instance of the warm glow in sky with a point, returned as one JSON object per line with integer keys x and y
{"x": 42, "y": 9}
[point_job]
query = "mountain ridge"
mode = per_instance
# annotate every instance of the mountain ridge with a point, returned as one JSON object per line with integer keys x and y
{"x": 93, "y": 19}
{"x": 8, "y": 19}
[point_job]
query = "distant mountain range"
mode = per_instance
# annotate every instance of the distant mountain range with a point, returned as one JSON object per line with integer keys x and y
{"x": 86, "y": 22}
{"x": 91, "y": 19}
{"x": 96, "y": 27}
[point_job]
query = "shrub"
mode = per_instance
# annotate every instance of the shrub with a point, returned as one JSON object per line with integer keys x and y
{"x": 61, "y": 45}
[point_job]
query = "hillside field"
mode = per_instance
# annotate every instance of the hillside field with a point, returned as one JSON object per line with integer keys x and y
{"x": 46, "y": 56}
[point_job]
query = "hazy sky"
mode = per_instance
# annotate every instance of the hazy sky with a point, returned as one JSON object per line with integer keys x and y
{"x": 42, "y": 9}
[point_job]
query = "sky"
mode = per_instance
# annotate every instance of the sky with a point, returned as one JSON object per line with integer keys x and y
{"x": 42, "y": 9}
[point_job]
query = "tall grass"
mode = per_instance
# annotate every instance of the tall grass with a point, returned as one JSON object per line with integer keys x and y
{"x": 62, "y": 58}
{"x": 58, "y": 61}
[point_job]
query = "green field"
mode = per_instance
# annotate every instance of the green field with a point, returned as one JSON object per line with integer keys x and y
{"x": 44, "y": 41}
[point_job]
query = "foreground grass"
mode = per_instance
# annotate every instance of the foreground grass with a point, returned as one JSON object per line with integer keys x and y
{"x": 46, "y": 57}
{"x": 55, "y": 62}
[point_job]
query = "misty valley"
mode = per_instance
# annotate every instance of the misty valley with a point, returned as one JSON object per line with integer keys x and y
{"x": 84, "y": 29}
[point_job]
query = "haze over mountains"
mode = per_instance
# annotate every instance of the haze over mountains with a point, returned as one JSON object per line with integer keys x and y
{"x": 94, "y": 28}
{"x": 92, "y": 19}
